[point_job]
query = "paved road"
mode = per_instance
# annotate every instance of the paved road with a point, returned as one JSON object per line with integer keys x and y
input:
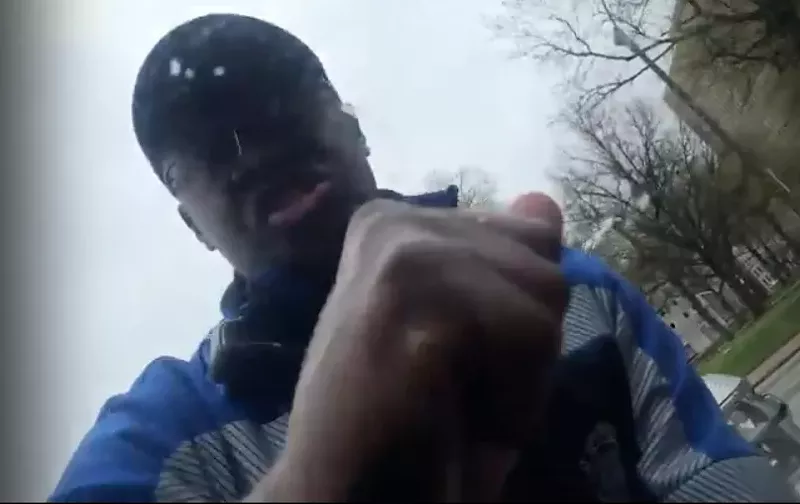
{"x": 785, "y": 383}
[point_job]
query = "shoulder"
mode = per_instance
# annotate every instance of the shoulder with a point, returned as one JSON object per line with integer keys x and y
{"x": 678, "y": 424}
{"x": 580, "y": 268}
{"x": 594, "y": 305}
{"x": 121, "y": 457}
{"x": 603, "y": 301}
{"x": 621, "y": 304}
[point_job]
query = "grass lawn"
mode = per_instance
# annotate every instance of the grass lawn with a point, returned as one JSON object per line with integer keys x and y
{"x": 757, "y": 341}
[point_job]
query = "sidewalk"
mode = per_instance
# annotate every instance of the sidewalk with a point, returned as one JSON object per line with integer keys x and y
{"x": 769, "y": 366}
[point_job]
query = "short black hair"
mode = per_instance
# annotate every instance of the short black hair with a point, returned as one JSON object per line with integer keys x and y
{"x": 222, "y": 79}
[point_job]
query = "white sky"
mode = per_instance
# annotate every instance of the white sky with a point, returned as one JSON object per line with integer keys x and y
{"x": 432, "y": 90}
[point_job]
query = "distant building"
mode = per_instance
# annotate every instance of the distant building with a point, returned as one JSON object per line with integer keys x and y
{"x": 759, "y": 108}
{"x": 751, "y": 263}
{"x": 717, "y": 305}
{"x": 696, "y": 333}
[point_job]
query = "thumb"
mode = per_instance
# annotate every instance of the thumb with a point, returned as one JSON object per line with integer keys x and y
{"x": 541, "y": 207}
{"x": 537, "y": 205}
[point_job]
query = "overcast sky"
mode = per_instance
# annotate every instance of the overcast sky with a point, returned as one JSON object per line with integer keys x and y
{"x": 433, "y": 91}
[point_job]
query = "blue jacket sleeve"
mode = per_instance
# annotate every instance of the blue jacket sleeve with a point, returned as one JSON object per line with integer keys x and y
{"x": 689, "y": 452}
{"x": 120, "y": 459}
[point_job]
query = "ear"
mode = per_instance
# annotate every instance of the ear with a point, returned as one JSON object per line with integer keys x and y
{"x": 187, "y": 219}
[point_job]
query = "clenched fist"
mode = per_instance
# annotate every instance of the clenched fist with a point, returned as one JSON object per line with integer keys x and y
{"x": 427, "y": 370}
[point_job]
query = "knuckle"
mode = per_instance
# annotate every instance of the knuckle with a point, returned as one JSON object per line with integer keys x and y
{"x": 394, "y": 239}
{"x": 367, "y": 224}
{"x": 412, "y": 258}
{"x": 375, "y": 211}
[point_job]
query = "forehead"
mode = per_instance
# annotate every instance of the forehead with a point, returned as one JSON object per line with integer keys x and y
{"x": 186, "y": 170}
{"x": 182, "y": 165}
{"x": 329, "y": 125}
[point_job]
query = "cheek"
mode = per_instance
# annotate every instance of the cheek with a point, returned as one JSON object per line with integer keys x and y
{"x": 213, "y": 216}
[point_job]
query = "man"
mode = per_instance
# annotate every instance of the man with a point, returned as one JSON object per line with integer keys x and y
{"x": 435, "y": 353}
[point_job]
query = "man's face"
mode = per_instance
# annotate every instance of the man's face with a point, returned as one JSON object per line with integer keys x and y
{"x": 273, "y": 203}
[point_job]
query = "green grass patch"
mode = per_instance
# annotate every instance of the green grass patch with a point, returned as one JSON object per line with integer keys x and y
{"x": 757, "y": 341}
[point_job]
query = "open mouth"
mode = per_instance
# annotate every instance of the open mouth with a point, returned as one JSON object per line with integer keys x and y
{"x": 283, "y": 208}
{"x": 299, "y": 205}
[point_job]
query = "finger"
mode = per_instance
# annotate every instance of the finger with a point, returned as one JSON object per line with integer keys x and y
{"x": 513, "y": 339}
{"x": 382, "y": 217}
{"x": 434, "y": 268}
{"x": 536, "y": 275}
{"x": 537, "y": 206}
{"x": 538, "y": 235}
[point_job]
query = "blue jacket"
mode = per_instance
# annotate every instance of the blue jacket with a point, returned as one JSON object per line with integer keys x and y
{"x": 630, "y": 419}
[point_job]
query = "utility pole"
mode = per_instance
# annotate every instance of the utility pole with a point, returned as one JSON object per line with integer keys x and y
{"x": 623, "y": 39}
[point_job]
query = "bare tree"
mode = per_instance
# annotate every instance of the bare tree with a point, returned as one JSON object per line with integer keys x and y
{"x": 730, "y": 35}
{"x": 689, "y": 230}
{"x": 642, "y": 261}
{"x": 476, "y": 187}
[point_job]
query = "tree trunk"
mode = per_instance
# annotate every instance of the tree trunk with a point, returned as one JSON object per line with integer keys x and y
{"x": 740, "y": 283}
{"x": 757, "y": 294}
{"x": 776, "y": 226}
{"x": 727, "y": 268}
{"x": 789, "y": 201}
{"x": 785, "y": 263}
{"x": 770, "y": 264}
{"x": 737, "y": 314}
